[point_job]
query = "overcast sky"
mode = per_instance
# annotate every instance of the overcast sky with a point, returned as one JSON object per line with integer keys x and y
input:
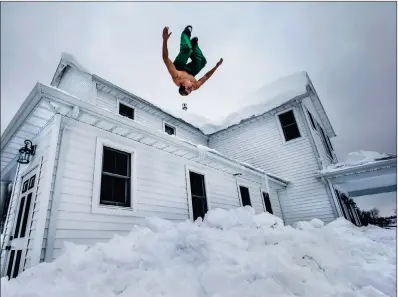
{"x": 348, "y": 50}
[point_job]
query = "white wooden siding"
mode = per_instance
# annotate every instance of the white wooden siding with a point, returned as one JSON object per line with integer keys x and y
{"x": 261, "y": 144}
{"x": 154, "y": 120}
{"x": 308, "y": 105}
{"x": 79, "y": 84}
{"x": 161, "y": 188}
{"x": 38, "y": 162}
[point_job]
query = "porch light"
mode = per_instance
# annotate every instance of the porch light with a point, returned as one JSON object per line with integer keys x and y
{"x": 25, "y": 152}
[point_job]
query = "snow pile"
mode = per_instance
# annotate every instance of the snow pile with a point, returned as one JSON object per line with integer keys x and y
{"x": 358, "y": 158}
{"x": 230, "y": 253}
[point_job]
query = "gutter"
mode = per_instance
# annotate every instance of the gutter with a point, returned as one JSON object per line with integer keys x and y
{"x": 360, "y": 168}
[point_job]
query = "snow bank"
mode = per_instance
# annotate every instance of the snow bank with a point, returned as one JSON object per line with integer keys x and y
{"x": 230, "y": 253}
{"x": 358, "y": 158}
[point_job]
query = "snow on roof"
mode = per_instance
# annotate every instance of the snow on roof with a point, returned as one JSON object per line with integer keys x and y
{"x": 230, "y": 253}
{"x": 263, "y": 100}
{"x": 354, "y": 159}
{"x": 70, "y": 59}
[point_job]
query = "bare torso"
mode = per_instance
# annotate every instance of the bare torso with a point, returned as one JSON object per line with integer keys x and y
{"x": 182, "y": 75}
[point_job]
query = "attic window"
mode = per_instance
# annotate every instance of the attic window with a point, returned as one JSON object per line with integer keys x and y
{"x": 126, "y": 110}
{"x": 289, "y": 125}
{"x": 312, "y": 120}
{"x": 169, "y": 129}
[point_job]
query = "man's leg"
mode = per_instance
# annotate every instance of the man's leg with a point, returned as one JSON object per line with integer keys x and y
{"x": 185, "y": 50}
{"x": 197, "y": 57}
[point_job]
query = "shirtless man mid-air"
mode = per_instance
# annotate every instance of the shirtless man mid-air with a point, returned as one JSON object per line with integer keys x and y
{"x": 183, "y": 73}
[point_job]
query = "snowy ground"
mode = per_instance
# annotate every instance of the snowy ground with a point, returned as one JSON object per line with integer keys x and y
{"x": 232, "y": 253}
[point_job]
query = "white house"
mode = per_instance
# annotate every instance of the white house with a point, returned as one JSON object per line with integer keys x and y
{"x": 103, "y": 159}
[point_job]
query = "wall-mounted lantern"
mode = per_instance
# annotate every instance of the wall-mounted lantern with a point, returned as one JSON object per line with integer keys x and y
{"x": 25, "y": 152}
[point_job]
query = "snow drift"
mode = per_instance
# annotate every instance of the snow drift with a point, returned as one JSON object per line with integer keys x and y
{"x": 231, "y": 253}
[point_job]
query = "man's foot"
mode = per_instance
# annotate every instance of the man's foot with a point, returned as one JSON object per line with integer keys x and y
{"x": 188, "y": 30}
{"x": 194, "y": 41}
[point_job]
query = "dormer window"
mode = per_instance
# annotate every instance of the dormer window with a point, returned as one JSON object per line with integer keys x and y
{"x": 169, "y": 129}
{"x": 289, "y": 125}
{"x": 126, "y": 110}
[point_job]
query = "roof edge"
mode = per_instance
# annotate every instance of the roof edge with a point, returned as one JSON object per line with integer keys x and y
{"x": 359, "y": 168}
{"x": 20, "y": 116}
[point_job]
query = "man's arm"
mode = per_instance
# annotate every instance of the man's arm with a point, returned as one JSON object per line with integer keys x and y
{"x": 208, "y": 74}
{"x": 165, "y": 54}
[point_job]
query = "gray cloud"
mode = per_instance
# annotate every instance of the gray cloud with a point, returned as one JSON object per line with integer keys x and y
{"x": 348, "y": 49}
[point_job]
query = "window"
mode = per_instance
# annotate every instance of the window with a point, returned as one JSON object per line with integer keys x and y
{"x": 267, "y": 203}
{"x": 245, "y": 196}
{"x": 289, "y": 125}
{"x": 115, "y": 178}
{"x": 198, "y": 195}
{"x": 126, "y": 111}
{"x": 169, "y": 129}
{"x": 311, "y": 120}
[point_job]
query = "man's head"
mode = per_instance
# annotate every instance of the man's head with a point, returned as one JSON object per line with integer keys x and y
{"x": 185, "y": 88}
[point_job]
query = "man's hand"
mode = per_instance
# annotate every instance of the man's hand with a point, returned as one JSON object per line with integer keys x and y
{"x": 220, "y": 62}
{"x": 166, "y": 33}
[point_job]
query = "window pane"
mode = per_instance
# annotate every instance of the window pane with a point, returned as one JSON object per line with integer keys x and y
{"x": 17, "y": 262}
{"x": 108, "y": 160}
{"x": 19, "y": 218}
{"x": 244, "y": 194}
{"x": 25, "y": 186}
{"x": 287, "y": 118}
{"x": 197, "y": 184}
{"x": 116, "y": 162}
{"x": 10, "y": 263}
{"x": 169, "y": 130}
{"x": 120, "y": 190}
{"x": 127, "y": 111}
{"x": 121, "y": 164}
{"x": 32, "y": 182}
{"x": 291, "y": 132}
{"x": 106, "y": 188}
{"x": 25, "y": 215}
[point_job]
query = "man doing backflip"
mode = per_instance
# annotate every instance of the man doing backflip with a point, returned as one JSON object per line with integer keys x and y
{"x": 182, "y": 72}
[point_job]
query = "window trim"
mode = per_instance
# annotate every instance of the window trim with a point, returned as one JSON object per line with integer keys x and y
{"x": 189, "y": 168}
{"x": 128, "y": 105}
{"x": 173, "y": 126}
{"x": 281, "y": 129}
{"x": 246, "y": 185}
{"x": 96, "y": 207}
